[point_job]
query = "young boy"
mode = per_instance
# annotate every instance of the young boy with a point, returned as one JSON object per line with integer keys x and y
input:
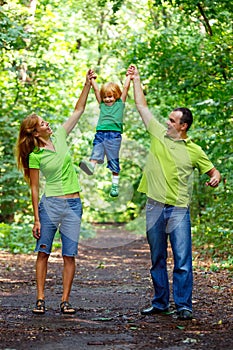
{"x": 107, "y": 140}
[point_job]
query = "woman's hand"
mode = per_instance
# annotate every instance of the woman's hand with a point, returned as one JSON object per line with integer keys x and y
{"x": 91, "y": 75}
{"x": 36, "y": 230}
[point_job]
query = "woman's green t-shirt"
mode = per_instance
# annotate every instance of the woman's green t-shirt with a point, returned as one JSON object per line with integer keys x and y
{"x": 57, "y": 167}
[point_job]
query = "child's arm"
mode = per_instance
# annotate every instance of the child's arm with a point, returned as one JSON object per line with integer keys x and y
{"x": 126, "y": 88}
{"x": 96, "y": 90}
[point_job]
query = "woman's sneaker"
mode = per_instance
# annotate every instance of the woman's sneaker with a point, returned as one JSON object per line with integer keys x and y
{"x": 114, "y": 190}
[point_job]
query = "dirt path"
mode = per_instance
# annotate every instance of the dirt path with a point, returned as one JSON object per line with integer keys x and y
{"x": 111, "y": 285}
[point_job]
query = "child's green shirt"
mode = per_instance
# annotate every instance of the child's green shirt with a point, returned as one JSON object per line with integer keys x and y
{"x": 111, "y": 117}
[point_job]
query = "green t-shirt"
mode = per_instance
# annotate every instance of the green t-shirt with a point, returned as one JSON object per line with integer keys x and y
{"x": 56, "y": 167}
{"x": 111, "y": 117}
{"x": 167, "y": 177}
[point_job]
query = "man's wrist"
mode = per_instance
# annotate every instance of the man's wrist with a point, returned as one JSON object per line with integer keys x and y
{"x": 136, "y": 78}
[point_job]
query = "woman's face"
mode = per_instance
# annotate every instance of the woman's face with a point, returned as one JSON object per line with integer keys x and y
{"x": 43, "y": 129}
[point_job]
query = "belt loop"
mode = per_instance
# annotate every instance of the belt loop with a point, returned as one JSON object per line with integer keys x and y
{"x": 154, "y": 202}
{"x": 151, "y": 201}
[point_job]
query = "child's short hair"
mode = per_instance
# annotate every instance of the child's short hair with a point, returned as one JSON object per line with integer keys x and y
{"x": 110, "y": 87}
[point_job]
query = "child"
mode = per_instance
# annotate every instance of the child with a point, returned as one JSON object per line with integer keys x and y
{"x": 109, "y": 128}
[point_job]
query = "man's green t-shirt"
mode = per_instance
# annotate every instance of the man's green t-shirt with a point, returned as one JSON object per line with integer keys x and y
{"x": 57, "y": 167}
{"x": 111, "y": 117}
{"x": 167, "y": 177}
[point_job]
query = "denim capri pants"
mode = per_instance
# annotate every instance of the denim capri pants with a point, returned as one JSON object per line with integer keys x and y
{"x": 63, "y": 214}
{"x": 107, "y": 143}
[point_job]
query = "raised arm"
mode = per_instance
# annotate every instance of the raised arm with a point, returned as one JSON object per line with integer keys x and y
{"x": 126, "y": 88}
{"x": 139, "y": 97}
{"x": 215, "y": 177}
{"x": 80, "y": 105}
{"x": 96, "y": 89}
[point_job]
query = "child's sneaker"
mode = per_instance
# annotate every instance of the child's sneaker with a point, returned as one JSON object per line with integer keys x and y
{"x": 114, "y": 190}
{"x": 87, "y": 167}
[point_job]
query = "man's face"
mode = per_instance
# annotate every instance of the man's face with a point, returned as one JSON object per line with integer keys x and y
{"x": 174, "y": 128}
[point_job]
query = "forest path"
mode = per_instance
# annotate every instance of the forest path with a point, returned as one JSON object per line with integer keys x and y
{"x": 112, "y": 284}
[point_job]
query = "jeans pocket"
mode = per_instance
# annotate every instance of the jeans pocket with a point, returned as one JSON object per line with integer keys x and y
{"x": 75, "y": 205}
{"x": 114, "y": 135}
{"x": 41, "y": 206}
{"x": 149, "y": 207}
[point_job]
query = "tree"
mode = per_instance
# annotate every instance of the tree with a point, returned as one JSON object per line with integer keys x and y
{"x": 183, "y": 50}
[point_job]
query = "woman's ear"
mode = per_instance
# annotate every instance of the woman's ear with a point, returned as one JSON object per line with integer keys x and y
{"x": 35, "y": 133}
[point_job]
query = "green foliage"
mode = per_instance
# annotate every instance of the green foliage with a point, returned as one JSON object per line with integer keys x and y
{"x": 137, "y": 226}
{"x": 13, "y": 35}
{"x": 16, "y": 238}
{"x": 183, "y": 65}
{"x": 183, "y": 50}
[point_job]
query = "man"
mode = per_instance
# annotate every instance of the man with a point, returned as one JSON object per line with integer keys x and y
{"x": 166, "y": 182}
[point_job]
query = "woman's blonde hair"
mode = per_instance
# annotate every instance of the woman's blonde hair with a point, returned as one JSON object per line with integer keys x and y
{"x": 110, "y": 87}
{"x": 26, "y": 143}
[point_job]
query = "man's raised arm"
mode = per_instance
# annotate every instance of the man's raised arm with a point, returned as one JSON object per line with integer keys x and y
{"x": 139, "y": 97}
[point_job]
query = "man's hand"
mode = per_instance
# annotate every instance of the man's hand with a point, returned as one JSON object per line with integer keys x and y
{"x": 131, "y": 71}
{"x": 215, "y": 178}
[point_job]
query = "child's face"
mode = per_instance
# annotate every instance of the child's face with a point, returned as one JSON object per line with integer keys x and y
{"x": 109, "y": 99}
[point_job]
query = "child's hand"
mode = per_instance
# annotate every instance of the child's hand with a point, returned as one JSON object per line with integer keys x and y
{"x": 91, "y": 75}
{"x": 130, "y": 71}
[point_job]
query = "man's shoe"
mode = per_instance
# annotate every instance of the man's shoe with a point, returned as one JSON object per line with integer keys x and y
{"x": 87, "y": 167}
{"x": 152, "y": 311}
{"x": 184, "y": 315}
{"x": 114, "y": 190}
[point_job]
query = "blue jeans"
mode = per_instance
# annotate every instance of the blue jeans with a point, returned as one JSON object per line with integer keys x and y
{"x": 163, "y": 220}
{"x": 63, "y": 214}
{"x": 107, "y": 143}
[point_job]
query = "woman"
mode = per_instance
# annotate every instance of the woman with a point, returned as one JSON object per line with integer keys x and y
{"x": 60, "y": 206}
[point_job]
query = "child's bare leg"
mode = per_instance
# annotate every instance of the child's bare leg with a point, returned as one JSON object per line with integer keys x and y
{"x": 93, "y": 162}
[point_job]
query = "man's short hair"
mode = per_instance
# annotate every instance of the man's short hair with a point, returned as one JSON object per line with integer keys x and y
{"x": 187, "y": 116}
